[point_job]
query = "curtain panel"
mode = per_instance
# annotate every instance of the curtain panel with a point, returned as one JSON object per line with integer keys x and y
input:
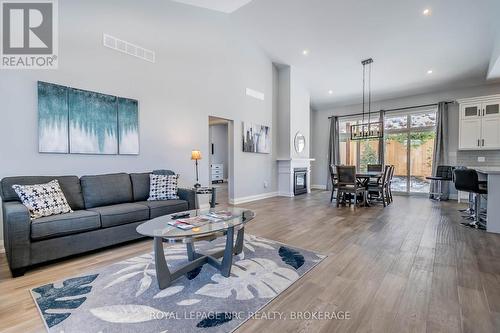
{"x": 440, "y": 147}
{"x": 333, "y": 149}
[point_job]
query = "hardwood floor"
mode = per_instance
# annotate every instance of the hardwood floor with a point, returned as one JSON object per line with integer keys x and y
{"x": 407, "y": 268}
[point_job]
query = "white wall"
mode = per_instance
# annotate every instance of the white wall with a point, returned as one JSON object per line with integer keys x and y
{"x": 300, "y": 114}
{"x": 320, "y": 122}
{"x": 293, "y": 113}
{"x": 203, "y": 66}
{"x": 218, "y": 137}
{"x": 284, "y": 93}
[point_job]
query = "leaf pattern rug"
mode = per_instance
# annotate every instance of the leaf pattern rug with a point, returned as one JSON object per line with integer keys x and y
{"x": 124, "y": 297}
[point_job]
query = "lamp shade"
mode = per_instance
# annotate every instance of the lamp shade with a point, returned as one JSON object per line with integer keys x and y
{"x": 196, "y": 155}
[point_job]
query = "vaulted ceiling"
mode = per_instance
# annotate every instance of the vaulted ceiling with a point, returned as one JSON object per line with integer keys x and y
{"x": 455, "y": 41}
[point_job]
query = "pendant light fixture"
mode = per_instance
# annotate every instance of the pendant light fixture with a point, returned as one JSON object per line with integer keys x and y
{"x": 367, "y": 130}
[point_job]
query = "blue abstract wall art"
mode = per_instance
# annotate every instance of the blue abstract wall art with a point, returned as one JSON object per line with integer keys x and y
{"x": 84, "y": 122}
{"x": 53, "y": 133}
{"x": 128, "y": 126}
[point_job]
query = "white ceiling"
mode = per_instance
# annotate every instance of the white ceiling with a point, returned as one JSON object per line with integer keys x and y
{"x": 225, "y": 6}
{"x": 456, "y": 42}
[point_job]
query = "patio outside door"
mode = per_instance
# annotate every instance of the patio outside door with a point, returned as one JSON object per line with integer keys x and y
{"x": 409, "y": 146}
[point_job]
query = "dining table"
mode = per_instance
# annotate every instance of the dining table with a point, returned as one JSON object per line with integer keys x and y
{"x": 363, "y": 179}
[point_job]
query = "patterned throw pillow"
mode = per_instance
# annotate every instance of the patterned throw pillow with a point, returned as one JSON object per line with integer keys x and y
{"x": 162, "y": 187}
{"x": 43, "y": 199}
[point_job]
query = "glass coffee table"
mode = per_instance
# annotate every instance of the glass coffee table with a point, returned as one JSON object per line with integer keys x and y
{"x": 159, "y": 229}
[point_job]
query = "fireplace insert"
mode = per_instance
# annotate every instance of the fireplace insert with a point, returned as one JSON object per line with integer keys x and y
{"x": 299, "y": 181}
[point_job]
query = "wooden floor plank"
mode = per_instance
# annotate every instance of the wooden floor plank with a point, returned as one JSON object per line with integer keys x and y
{"x": 410, "y": 267}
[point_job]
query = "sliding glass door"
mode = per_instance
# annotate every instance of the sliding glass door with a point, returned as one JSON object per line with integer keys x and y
{"x": 409, "y": 146}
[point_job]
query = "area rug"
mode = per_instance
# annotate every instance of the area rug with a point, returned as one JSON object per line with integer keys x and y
{"x": 124, "y": 297}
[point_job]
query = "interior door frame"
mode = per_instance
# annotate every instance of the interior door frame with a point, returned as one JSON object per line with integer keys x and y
{"x": 230, "y": 155}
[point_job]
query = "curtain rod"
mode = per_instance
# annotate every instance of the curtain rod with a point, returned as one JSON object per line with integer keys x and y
{"x": 396, "y": 109}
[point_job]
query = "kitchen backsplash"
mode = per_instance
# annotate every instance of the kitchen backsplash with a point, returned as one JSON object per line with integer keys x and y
{"x": 470, "y": 158}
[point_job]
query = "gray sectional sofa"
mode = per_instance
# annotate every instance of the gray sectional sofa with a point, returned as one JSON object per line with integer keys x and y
{"x": 107, "y": 210}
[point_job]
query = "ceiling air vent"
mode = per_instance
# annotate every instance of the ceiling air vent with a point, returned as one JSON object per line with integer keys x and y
{"x": 128, "y": 48}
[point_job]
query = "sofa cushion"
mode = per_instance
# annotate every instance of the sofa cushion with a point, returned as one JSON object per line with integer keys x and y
{"x": 70, "y": 186}
{"x": 140, "y": 186}
{"x": 43, "y": 199}
{"x": 121, "y": 214}
{"x": 163, "y": 187}
{"x": 105, "y": 190}
{"x": 64, "y": 224}
{"x": 165, "y": 207}
{"x": 163, "y": 172}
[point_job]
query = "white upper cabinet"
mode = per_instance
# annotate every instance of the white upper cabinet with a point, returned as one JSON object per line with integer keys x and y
{"x": 480, "y": 123}
{"x": 469, "y": 111}
{"x": 490, "y": 135}
{"x": 470, "y": 132}
{"x": 491, "y": 109}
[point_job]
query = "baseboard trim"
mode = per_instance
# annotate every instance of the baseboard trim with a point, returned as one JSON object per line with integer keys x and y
{"x": 318, "y": 187}
{"x": 250, "y": 198}
{"x": 2, "y": 248}
{"x": 286, "y": 194}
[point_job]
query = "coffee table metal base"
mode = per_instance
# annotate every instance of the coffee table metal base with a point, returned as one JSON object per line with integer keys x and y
{"x": 165, "y": 277}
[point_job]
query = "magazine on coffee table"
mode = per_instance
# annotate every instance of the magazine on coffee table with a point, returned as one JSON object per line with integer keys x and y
{"x": 222, "y": 215}
{"x": 181, "y": 225}
{"x": 192, "y": 222}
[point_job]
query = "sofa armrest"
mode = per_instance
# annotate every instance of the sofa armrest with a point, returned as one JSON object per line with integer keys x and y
{"x": 17, "y": 229}
{"x": 188, "y": 195}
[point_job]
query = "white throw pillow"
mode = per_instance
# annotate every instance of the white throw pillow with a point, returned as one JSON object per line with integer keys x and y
{"x": 43, "y": 199}
{"x": 162, "y": 187}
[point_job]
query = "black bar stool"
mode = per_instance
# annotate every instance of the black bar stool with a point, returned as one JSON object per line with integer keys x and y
{"x": 444, "y": 173}
{"x": 467, "y": 180}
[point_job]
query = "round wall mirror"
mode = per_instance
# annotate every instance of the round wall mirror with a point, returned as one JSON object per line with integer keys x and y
{"x": 299, "y": 142}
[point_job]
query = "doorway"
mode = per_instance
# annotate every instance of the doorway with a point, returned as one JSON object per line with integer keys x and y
{"x": 220, "y": 166}
{"x": 409, "y": 146}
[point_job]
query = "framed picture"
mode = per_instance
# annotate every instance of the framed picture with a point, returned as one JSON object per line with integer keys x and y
{"x": 79, "y": 121}
{"x": 128, "y": 127}
{"x": 53, "y": 129}
{"x": 93, "y": 123}
{"x": 256, "y": 138}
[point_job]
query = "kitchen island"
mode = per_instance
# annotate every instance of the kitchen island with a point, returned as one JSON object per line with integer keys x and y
{"x": 492, "y": 174}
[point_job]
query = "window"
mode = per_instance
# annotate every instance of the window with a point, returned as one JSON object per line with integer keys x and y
{"x": 409, "y": 146}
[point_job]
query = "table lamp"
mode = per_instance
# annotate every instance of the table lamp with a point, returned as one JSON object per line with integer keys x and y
{"x": 196, "y": 155}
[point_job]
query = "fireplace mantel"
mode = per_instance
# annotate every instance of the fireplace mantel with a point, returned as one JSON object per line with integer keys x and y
{"x": 286, "y": 177}
{"x": 296, "y": 159}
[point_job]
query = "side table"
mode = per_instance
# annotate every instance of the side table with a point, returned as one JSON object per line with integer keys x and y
{"x": 206, "y": 190}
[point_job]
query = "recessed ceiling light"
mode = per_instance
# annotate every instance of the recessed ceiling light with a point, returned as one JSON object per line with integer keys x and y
{"x": 330, "y": 92}
{"x": 426, "y": 12}
{"x": 429, "y": 71}
{"x": 305, "y": 52}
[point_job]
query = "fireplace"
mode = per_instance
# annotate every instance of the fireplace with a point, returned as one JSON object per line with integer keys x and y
{"x": 299, "y": 181}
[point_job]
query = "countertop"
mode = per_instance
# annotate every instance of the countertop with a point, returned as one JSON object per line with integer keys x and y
{"x": 488, "y": 170}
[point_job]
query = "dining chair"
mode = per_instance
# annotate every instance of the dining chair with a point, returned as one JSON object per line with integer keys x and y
{"x": 375, "y": 167}
{"x": 389, "y": 183}
{"x": 381, "y": 189}
{"x": 333, "y": 178}
{"x": 347, "y": 183}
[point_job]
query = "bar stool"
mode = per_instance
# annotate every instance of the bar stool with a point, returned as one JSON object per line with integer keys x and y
{"x": 444, "y": 173}
{"x": 470, "y": 209}
{"x": 467, "y": 180}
